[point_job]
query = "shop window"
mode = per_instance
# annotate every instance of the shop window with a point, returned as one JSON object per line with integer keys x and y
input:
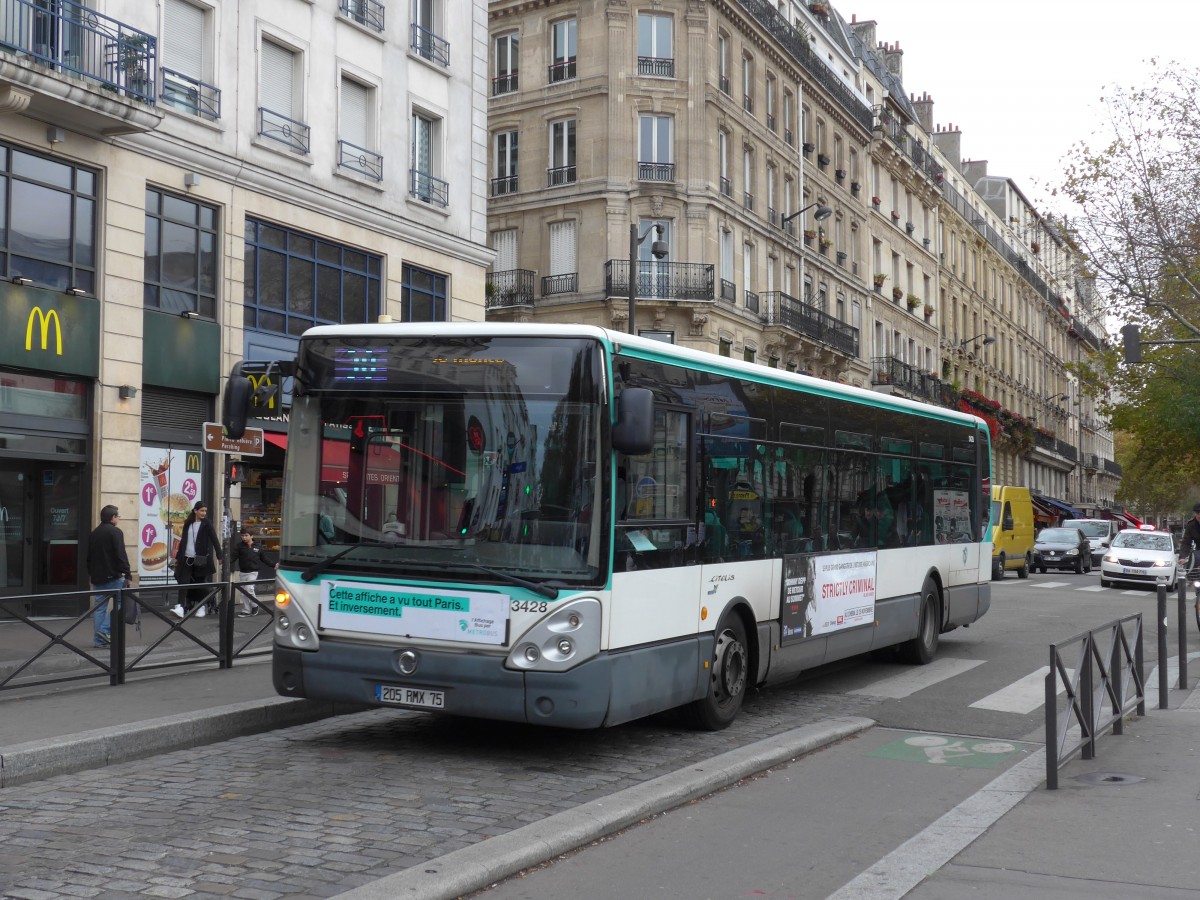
{"x": 422, "y": 295}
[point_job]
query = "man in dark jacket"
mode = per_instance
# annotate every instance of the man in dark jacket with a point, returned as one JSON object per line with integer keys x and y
{"x": 1191, "y": 537}
{"x": 249, "y": 564}
{"x": 108, "y": 571}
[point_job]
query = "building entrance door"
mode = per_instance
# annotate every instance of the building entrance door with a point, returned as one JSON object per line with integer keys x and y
{"x": 41, "y": 526}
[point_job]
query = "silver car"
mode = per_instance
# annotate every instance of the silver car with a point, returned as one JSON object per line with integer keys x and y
{"x": 1140, "y": 557}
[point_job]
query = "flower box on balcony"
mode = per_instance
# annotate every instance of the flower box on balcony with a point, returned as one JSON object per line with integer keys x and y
{"x": 839, "y": 174}
{"x": 822, "y": 160}
{"x": 895, "y": 216}
{"x": 928, "y": 311}
{"x": 910, "y": 227}
{"x": 913, "y": 301}
{"x": 809, "y": 234}
{"x": 824, "y": 243}
{"x": 808, "y": 148}
{"x": 880, "y": 279}
{"x": 855, "y": 187}
{"x": 875, "y": 201}
{"x": 1035, "y": 246}
{"x": 897, "y": 293}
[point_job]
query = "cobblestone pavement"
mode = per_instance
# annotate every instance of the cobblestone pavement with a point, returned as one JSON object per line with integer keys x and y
{"x": 315, "y": 810}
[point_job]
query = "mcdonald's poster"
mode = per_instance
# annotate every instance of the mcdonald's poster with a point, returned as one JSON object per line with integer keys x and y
{"x": 172, "y": 480}
{"x": 49, "y": 331}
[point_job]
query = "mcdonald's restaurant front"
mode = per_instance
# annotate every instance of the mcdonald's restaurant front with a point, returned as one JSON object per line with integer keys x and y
{"x": 49, "y": 362}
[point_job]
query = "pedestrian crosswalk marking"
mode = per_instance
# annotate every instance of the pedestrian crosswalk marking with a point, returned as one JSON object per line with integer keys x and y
{"x": 1093, "y": 588}
{"x": 912, "y": 680}
{"x": 1051, "y": 584}
{"x": 1023, "y": 696}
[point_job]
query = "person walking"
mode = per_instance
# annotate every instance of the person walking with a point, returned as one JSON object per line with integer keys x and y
{"x": 108, "y": 571}
{"x": 196, "y": 561}
{"x": 1190, "y": 539}
{"x": 249, "y": 570}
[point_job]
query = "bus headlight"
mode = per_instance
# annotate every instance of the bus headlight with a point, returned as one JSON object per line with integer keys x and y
{"x": 561, "y": 640}
{"x": 292, "y": 626}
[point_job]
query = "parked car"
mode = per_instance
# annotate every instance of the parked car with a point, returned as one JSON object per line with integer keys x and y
{"x": 1099, "y": 533}
{"x": 1062, "y": 548}
{"x": 1140, "y": 557}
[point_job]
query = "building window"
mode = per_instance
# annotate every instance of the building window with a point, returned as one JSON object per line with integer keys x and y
{"x": 422, "y": 295}
{"x": 562, "y": 153}
{"x": 294, "y": 281}
{"x": 505, "y": 181}
{"x": 723, "y": 163}
{"x": 654, "y": 149}
{"x": 562, "y": 51}
{"x": 426, "y": 163}
{"x": 770, "y": 98}
{"x": 357, "y": 131}
{"x": 748, "y": 84}
{"x": 51, "y": 221}
{"x": 723, "y": 64}
{"x": 507, "y": 58}
{"x": 368, "y": 13}
{"x": 426, "y": 32}
{"x": 186, "y": 61}
{"x": 180, "y": 272}
{"x": 654, "y": 46}
{"x": 563, "y": 277}
{"x": 280, "y": 109}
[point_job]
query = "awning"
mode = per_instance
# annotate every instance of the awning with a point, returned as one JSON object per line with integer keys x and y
{"x": 1131, "y": 521}
{"x": 1063, "y": 509}
{"x": 1044, "y": 513}
{"x": 279, "y": 440}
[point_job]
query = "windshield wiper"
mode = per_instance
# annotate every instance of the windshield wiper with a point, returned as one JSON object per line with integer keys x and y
{"x": 318, "y": 567}
{"x": 549, "y": 590}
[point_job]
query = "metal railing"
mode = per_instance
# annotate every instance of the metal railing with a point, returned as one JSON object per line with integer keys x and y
{"x": 280, "y": 128}
{"x": 43, "y": 646}
{"x": 906, "y": 377}
{"x": 504, "y": 84}
{"x": 190, "y": 95}
{"x": 560, "y": 284}
{"x": 786, "y": 311}
{"x": 656, "y": 66}
{"x": 660, "y": 280}
{"x": 505, "y": 184}
{"x": 560, "y": 175}
{"x": 365, "y": 12}
{"x": 563, "y": 70}
{"x": 73, "y": 39}
{"x": 656, "y": 171}
{"x": 428, "y": 189}
{"x": 728, "y": 291}
{"x": 750, "y": 300}
{"x": 361, "y": 160}
{"x": 512, "y": 287}
{"x": 429, "y": 46}
{"x": 1103, "y": 682}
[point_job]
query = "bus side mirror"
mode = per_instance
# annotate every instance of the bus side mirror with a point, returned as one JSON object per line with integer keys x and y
{"x": 633, "y": 432}
{"x": 239, "y": 393}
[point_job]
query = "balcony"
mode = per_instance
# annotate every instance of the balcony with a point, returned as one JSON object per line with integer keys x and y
{"x": 189, "y": 95}
{"x": 70, "y": 65}
{"x": 504, "y": 185}
{"x": 360, "y": 160}
{"x": 507, "y": 289}
{"x": 563, "y": 70}
{"x": 660, "y": 280}
{"x": 427, "y": 189}
{"x": 751, "y": 301}
{"x": 785, "y": 311}
{"x": 1112, "y": 467}
{"x": 726, "y": 186}
{"x": 292, "y": 134}
{"x": 723, "y": 82}
{"x": 368, "y": 13}
{"x": 887, "y": 370}
{"x": 428, "y": 45}
{"x": 560, "y": 284}
{"x": 656, "y": 67}
{"x": 656, "y": 171}
{"x": 728, "y": 291}
{"x": 504, "y": 84}
{"x": 559, "y": 176}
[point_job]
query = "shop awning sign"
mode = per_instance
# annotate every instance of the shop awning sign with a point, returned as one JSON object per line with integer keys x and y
{"x": 216, "y": 441}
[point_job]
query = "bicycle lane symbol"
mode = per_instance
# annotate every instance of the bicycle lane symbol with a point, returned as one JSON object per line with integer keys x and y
{"x": 941, "y": 750}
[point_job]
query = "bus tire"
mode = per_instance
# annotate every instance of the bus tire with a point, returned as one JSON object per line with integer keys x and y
{"x": 921, "y": 649}
{"x": 729, "y": 676}
{"x": 998, "y": 567}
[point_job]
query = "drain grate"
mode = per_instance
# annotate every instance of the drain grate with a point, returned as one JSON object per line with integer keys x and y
{"x": 1109, "y": 778}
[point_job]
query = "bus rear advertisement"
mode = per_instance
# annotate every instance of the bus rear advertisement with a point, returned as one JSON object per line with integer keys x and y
{"x": 569, "y": 526}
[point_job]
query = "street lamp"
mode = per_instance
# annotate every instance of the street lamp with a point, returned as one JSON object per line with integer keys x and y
{"x": 822, "y": 213}
{"x": 987, "y": 339}
{"x": 1055, "y": 397}
{"x": 658, "y": 250}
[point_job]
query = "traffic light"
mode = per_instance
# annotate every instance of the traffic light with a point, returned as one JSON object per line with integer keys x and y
{"x": 1131, "y": 335}
{"x": 237, "y": 472}
{"x": 238, "y": 395}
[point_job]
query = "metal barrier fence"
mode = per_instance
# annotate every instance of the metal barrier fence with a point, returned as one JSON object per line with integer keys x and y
{"x": 49, "y": 649}
{"x": 1098, "y": 689}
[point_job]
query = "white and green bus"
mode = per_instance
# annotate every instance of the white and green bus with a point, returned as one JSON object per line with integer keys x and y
{"x": 570, "y": 526}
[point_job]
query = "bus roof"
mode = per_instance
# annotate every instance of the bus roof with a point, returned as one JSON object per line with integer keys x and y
{"x": 646, "y": 348}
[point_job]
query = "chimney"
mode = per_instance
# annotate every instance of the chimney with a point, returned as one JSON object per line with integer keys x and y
{"x": 864, "y": 31}
{"x": 893, "y": 59}
{"x": 950, "y": 143}
{"x": 973, "y": 170}
{"x": 924, "y": 107}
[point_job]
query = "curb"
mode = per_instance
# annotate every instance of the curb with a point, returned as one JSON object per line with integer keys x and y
{"x": 482, "y": 864}
{"x": 35, "y": 760}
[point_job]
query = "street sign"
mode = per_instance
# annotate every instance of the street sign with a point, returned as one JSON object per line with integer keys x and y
{"x": 249, "y": 444}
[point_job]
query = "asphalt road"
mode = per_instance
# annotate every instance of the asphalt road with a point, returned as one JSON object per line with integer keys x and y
{"x": 316, "y": 810}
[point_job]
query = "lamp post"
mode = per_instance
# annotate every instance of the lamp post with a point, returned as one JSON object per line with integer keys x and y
{"x": 658, "y": 249}
{"x": 822, "y": 213}
{"x": 987, "y": 339}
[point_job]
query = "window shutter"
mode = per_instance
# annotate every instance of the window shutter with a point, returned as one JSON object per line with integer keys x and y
{"x": 356, "y": 101}
{"x": 562, "y": 248}
{"x": 275, "y": 80}
{"x": 183, "y": 38}
{"x": 505, "y": 245}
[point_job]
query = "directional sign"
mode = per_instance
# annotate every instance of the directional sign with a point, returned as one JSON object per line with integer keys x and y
{"x": 249, "y": 444}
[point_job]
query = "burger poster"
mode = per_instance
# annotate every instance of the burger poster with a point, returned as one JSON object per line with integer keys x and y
{"x": 172, "y": 481}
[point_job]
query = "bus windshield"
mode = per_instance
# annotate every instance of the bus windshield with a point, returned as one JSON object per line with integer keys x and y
{"x": 434, "y": 457}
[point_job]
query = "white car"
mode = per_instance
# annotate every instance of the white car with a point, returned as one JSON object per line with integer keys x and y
{"x": 1140, "y": 557}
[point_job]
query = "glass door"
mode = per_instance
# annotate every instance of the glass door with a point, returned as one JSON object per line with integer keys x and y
{"x": 15, "y": 543}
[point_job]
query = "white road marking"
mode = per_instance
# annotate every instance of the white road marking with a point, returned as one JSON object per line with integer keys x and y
{"x": 912, "y": 680}
{"x": 1023, "y": 696}
{"x": 1094, "y": 588}
{"x": 1051, "y": 584}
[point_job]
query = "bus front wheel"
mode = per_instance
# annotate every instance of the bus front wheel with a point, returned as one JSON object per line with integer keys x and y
{"x": 727, "y": 679}
{"x": 921, "y": 649}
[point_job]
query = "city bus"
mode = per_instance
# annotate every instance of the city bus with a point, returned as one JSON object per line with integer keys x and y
{"x": 570, "y": 526}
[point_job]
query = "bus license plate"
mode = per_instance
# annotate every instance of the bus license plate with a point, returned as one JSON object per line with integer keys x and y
{"x": 406, "y": 696}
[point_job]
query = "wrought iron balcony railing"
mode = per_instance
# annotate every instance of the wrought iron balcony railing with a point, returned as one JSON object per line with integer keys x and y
{"x": 190, "y": 95}
{"x": 563, "y": 70}
{"x": 428, "y": 189}
{"x": 906, "y": 377}
{"x": 560, "y": 176}
{"x": 656, "y": 67}
{"x": 786, "y": 311}
{"x": 1067, "y": 451}
{"x": 513, "y": 287}
{"x": 360, "y": 160}
{"x": 293, "y": 134}
{"x": 726, "y": 186}
{"x": 504, "y": 84}
{"x": 656, "y": 171}
{"x": 751, "y": 301}
{"x": 728, "y": 291}
{"x": 506, "y": 184}
{"x": 429, "y": 46}
{"x": 368, "y": 13}
{"x": 71, "y": 38}
{"x": 560, "y": 284}
{"x": 1112, "y": 467}
{"x": 660, "y": 280}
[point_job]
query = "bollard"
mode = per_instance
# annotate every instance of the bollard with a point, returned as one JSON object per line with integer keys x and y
{"x": 1182, "y": 619}
{"x": 1162, "y": 646}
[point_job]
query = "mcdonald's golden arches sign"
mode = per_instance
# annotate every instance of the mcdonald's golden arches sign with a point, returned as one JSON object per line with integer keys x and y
{"x": 49, "y": 331}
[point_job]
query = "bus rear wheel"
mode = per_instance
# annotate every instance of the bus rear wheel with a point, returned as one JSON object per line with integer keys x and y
{"x": 921, "y": 649}
{"x": 727, "y": 679}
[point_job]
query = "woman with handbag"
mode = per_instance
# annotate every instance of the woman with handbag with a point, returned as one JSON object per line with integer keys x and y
{"x": 196, "y": 561}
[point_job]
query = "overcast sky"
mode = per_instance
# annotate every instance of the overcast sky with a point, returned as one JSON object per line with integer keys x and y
{"x": 1022, "y": 79}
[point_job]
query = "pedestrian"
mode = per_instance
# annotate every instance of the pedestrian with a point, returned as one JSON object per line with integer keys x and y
{"x": 196, "y": 561}
{"x": 249, "y": 570}
{"x": 1190, "y": 539}
{"x": 108, "y": 571}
